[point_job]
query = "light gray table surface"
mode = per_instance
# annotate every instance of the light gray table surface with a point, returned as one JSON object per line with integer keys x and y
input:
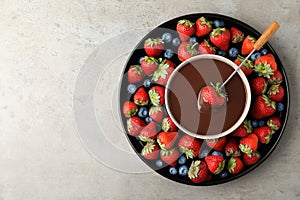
{"x": 43, "y": 45}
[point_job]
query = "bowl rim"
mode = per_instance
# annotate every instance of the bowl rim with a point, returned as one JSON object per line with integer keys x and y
{"x": 241, "y": 75}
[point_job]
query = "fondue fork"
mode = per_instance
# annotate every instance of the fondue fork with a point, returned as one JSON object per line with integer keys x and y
{"x": 257, "y": 46}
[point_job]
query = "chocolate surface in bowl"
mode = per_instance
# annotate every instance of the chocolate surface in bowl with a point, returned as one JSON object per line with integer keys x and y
{"x": 183, "y": 90}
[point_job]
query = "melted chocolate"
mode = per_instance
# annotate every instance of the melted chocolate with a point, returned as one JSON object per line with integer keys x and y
{"x": 183, "y": 93}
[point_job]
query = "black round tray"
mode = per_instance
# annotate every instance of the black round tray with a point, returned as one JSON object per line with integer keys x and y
{"x": 138, "y": 52}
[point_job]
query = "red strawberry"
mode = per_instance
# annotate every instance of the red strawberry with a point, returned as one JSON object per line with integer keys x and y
{"x": 259, "y": 85}
{"x": 249, "y": 144}
{"x": 248, "y": 45}
{"x": 154, "y": 47}
{"x": 221, "y": 38}
{"x": 168, "y": 125}
{"x": 185, "y": 29}
{"x": 166, "y": 140}
{"x": 203, "y": 26}
{"x": 141, "y": 97}
{"x": 262, "y": 107}
{"x": 264, "y": 134}
{"x": 135, "y": 74}
{"x": 157, "y": 95}
{"x": 148, "y": 133}
{"x": 198, "y": 171}
{"x": 135, "y": 125}
{"x": 265, "y": 65}
{"x": 150, "y": 151}
{"x": 149, "y": 65}
{"x": 247, "y": 67}
{"x": 206, "y": 48}
{"x": 232, "y": 148}
{"x": 235, "y": 165}
{"x": 163, "y": 72}
{"x": 276, "y": 78}
{"x": 129, "y": 109}
{"x": 157, "y": 113}
{"x": 236, "y": 35}
{"x": 243, "y": 130}
{"x": 169, "y": 156}
{"x": 274, "y": 123}
{"x": 276, "y": 93}
{"x": 215, "y": 164}
{"x": 217, "y": 144}
{"x": 189, "y": 145}
{"x": 187, "y": 50}
{"x": 211, "y": 96}
{"x": 252, "y": 158}
{"x": 170, "y": 63}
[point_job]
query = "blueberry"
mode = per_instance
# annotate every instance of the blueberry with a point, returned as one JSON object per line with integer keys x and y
{"x": 217, "y": 153}
{"x": 221, "y": 53}
{"x": 169, "y": 54}
{"x": 182, "y": 160}
{"x": 264, "y": 51}
{"x": 254, "y": 56}
{"x": 148, "y": 119}
{"x": 183, "y": 170}
{"x": 167, "y": 37}
{"x": 143, "y": 112}
{"x": 254, "y": 123}
{"x": 203, "y": 154}
{"x": 193, "y": 40}
{"x": 159, "y": 163}
{"x": 147, "y": 83}
{"x": 173, "y": 171}
{"x": 176, "y": 42}
{"x": 280, "y": 107}
{"x": 219, "y": 23}
{"x": 233, "y": 52}
{"x": 131, "y": 88}
{"x": 224, "y": 174}
{"x": 140, "y": 60}
{"x": 261, "y": 123}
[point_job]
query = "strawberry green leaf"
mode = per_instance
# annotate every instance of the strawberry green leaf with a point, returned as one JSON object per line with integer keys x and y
{"x": 269, "y": 102}
{"x": 146, "y": 139}
{"x": 148, "y": 148}
{"x": 188, "y": 152}
{"x": 245, "y": 149}
{"x": 162, "y": 146}
{"x": 161, "y": 72}
{"x": 205, "y": 21}
{"x": 165, "y": 152}
{"x": 247, "y": 125}
{"x": 151, "y": 42}
{"x": 248, "y": 64}
{"x": 150, "y": 60}
{"x": 274, "y": 89}
{"x": 217, "y": 31}
{"x": 155, "y": 109}
{"x": 191, "y": 49}
{"x": 165, "y": 125}
{"x": 129, "y": 125}
{"x": 231, "y": 165}
{"x": 263, "y": 69}
{"x": 194, "y": 169}
{"x": 140, "y": 102}
{"x": 220, "y": 167}
{"x": 154, "y": 97}
{"x": 186, "y": 22}
{"x": 272, "y": 125}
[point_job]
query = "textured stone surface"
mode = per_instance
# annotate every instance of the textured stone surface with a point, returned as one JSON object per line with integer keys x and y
{"x": 43, "y": 45}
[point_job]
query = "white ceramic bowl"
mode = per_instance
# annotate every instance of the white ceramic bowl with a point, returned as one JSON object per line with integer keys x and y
{"x": 246, "y": 86}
